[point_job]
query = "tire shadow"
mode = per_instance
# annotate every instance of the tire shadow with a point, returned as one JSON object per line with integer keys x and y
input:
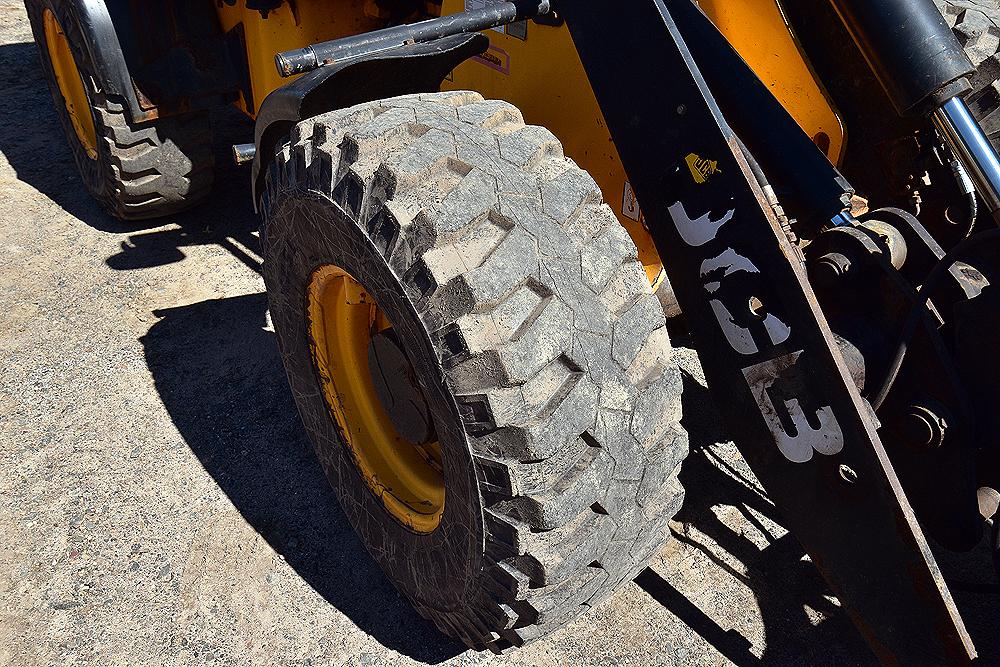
{"x": 218, "y": 372}
{"x": 32, "y": 138}
{"x": 789, "y": 591}
{"x": 33, "y": 142}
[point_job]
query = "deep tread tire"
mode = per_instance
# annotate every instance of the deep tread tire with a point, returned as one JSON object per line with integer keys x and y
{"x": 975, "y": 22}
{"x": 145, "y": 170}
{"x": 977, "y": 25}
{"x": 537, "y": 339}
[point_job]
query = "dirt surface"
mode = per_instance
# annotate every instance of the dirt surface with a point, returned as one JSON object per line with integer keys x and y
{"x": 160, "y": 505}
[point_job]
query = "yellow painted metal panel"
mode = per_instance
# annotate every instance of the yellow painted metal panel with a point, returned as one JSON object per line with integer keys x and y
{"x": 290, "y": 26}
{"x": 543, "y": 76}
{"x": 758, "y": 31}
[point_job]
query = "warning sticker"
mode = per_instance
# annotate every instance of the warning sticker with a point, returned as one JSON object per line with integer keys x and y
{"x": 472, "y": 5}
{"x": 495, "y": 58}
{"x": 702, "y": 168}
{"x": 630, "y": 205}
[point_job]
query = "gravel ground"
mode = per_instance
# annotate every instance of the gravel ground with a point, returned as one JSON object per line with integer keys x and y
{"x": 160, "y": 505}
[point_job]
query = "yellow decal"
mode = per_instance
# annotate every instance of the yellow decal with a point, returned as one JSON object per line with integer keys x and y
{"x": 701, "y": 168}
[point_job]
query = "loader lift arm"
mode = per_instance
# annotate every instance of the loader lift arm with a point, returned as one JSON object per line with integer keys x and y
{"x": 771, "y": 362}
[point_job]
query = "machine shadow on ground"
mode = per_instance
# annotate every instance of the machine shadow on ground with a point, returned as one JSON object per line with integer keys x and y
{"x": 41, "y": 158}
{"x": 39, "y": 155}
{"x": 217, "y": 369}
{"x": 781, "y": 580}
{"x": 219, "y": 374}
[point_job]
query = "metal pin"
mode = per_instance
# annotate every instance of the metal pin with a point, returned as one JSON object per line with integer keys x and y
{"x": 243, "y": 153}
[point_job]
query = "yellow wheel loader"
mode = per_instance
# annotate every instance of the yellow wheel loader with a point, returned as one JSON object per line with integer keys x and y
{"x": 479, "y": 215}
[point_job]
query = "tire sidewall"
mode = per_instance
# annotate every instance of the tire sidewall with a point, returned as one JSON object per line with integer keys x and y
{"x": 440, "y": 569}
{"x": 94, "y": 172}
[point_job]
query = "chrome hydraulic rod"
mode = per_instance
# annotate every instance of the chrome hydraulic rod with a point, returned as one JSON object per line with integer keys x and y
{"x": 493, "y": 15}
{"x": 972, "y": 147}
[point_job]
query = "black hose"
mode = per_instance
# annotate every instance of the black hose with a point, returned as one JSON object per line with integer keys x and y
{"x": 972, "y": 206}
{"x": 910, "y": 327}
{"x": 968, "y": 190}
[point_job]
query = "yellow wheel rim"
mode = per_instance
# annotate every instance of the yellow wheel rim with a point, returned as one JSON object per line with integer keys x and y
{"x": 407, "y": 477}
{"x": 70, "y": 84}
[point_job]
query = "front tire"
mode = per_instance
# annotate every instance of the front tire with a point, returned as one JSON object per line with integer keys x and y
{"x": 538, "y": 344}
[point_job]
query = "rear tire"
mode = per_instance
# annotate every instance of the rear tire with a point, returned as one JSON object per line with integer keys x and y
{"x": 135, "y": 170}
{"x": 534, "y": 333}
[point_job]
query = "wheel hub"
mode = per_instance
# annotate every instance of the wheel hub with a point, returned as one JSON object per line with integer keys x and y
{"x": 373, "y": 396}
{"x": 397, "y": 388}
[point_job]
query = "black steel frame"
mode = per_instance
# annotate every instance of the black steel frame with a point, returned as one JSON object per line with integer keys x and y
{"x": 105, "y": 51}
{"x": 775, "y": 370}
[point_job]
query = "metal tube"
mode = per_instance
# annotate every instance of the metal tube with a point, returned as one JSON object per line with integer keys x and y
{"x": 971, "y": 145}
{"x": 327, "y": 53}
{"x": 244, "y": 153}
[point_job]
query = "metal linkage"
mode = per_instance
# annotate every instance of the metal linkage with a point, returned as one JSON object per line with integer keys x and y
{"x": 925, "y": 71}
{"x": 912, "y": 50}
{"x": 962, "y": 133}
{"x": 312, "y": 57}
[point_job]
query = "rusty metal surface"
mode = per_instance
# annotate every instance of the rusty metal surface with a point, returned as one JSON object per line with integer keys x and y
{"x": 767, "y": 350}
{"x": 178, "y": 57}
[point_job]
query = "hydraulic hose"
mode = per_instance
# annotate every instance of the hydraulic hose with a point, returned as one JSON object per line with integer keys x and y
{"x": 913, "y": 319}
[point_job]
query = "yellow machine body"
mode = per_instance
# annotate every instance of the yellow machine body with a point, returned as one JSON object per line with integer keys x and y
{"x": 537, "y": 68}
{"x": 291, "y": 25}
{"x": 543, "y": 76}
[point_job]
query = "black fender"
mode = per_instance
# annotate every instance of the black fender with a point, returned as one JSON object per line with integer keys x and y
{"x": 105, "y": 51}
{"x": 414, "y": 68}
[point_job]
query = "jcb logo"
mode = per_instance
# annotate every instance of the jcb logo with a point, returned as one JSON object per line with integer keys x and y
{"x": 800, "y": 422}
